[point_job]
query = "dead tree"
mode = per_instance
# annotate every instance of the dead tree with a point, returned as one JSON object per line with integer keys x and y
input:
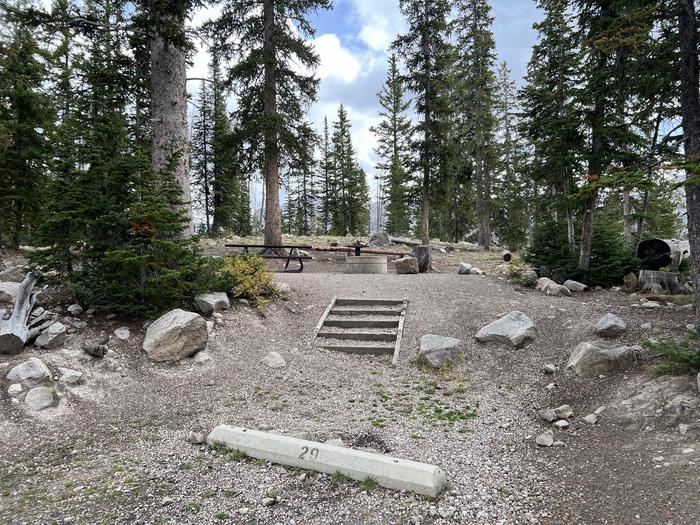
{"x": 14, "y": 331}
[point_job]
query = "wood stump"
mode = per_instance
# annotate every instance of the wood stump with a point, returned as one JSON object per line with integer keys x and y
{"x": 662, "y": 283}
{"x": 14, "y": 331}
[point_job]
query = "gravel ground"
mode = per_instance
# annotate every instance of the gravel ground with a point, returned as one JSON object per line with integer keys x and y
{"x": 115, "y": 451}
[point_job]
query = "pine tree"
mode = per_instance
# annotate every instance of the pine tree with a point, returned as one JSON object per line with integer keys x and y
{"x": 393, "y": 149}
{"x": 270, "y": 46}
{"x": 475, "y": 103}
{"x": 551, "y": 118}
{"x": 302, "y": 172}
{"x": 202, "y": 155}
{"x": 25, "y": 122}
{"x": 511, "y": 191}
{"x": 326, "y": 182}
{"x": 427, "y": 55}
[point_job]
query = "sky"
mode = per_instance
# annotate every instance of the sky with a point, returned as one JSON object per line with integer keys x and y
{"x": 352, "y": 41}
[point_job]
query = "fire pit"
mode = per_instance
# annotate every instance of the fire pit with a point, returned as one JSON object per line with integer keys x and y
{"x": 376, "y": 264}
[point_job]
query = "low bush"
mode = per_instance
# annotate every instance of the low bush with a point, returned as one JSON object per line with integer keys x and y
{"x": 683, "y": 356}
{"x": 246, "y": 277}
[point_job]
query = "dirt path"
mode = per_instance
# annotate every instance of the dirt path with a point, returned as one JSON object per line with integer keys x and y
{"x": 115, "y": 451}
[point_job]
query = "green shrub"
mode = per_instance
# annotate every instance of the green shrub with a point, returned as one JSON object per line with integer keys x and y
{"x": 246, "y": 277}
{"x": 549, "y": 246}
{"x": 683, "y": 356}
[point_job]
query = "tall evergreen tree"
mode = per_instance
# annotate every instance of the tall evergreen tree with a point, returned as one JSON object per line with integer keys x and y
{"x": 427, "y": 54}
{"x": 326, "y": 182}
{"x": 202, "y": 155}
{"x": 393, "y": 149}
{"x": 551, "y": 118}
{"x": 475, "y": 102}
{"x": 302, "y": 172}
{"x": 268, "y": 40}
{"x": 26, "y": 119}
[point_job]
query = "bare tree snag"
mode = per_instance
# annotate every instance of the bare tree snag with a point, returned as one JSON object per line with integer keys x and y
{"x": 14, "y": 332}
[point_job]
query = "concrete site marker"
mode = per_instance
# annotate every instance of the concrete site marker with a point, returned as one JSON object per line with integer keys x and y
{"x": 389, "y": 472}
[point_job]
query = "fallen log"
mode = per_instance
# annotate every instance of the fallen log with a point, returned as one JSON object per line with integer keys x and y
{"x": 14, "y": 331}
{"x": 661, "y": 283}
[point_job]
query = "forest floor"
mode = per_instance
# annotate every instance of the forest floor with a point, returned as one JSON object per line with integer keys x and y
{"x": 114, "y": 451}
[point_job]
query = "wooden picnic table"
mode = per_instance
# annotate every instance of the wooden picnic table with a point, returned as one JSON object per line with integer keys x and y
{"x": 277, "y": 251}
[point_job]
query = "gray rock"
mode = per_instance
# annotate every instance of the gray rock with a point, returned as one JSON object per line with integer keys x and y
{"x": 593, "y": 358}
{"x": 208, "y": 303}
{"x": 590, "y": 419}
{"x": 274, "y": 360}
{"x": 37, "y": 311}
{"x": 122, "y": 333}
{"x": 8, "y": 292}
{"x": 683, "y": 428}
{"x": 422, "y": 253}
{"x": 545, "y": 439}
{"x": 175, "y": 335}
{"x": 336, "y": 442}
{"x": 562, "y": 424}
{"x": 80, "y": 325}
{"x": 15, "y": 389}
{"x": 651, "y": 305}
{"x": 39, "y": 398}
{"x": 210, "y": 327}
{"x": 53, "y": 337}
{"x": 515, "y": 328}
{"x": 380, "y": 239}
{"x": 201, "y": 358}
{"x": 476, "y": 271}
{"x": 548, "y": 286}
{"x": 69, "y": 377}
{"x": 464, "y": 268}
{"x": 282, "y": 288}
{"x": 549, "y": 369}
{"x": 436, "y": 350}
{"x": 75, "y": 309}
{"x": 195, "y": 438}
{"x": 547, "y": 414}
{"x": 646, "y": 326}
{"x": 564, "y": 412}
{"x": 610, "y": 325}
{"x": 575, "y": 286}
{"x": 267, "y": 502}
{"x": 32, "y": 372}
{"x": 95, "y": 349}
{"x": 406, "y": 265}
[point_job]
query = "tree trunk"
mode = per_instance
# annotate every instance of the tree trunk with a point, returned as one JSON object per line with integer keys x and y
{"x": 627, "y": 217}
{"x": 273, "y": 213}
{"x": 14, "y": 332}
{"x": 570, "y": 233}
{"x": 169, "y": 114}
{"x": 427, "y": 137}
{"x": 690, "y": 111}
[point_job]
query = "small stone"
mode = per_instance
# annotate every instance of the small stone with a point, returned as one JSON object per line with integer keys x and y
{"x": 464, "y": 268}
{"x": 195, "y": 438}
{"x": 80, "y": 325}
{"x": 688, "y": 450}
{"x": 598, "y": 411}
{"x": 210, "y": 327}
{"x": 122, "y": 333}
{"x": 274, "y": 360}
{"x": 476, "y": 271}
{"x": 564, "y": 412}
{"x": 166, "y": 501}
{"x": 337, "y": 442}
{"x": 549, "y": 369}
{"x": 658, "y": 458}
{"x": 243, "y": 510}
{"x": 437, "y": 350}
{"x": 515, "y": 329}
{"x": 562, "y": 424}
{"x": 39, "y": 398}
{"x": 268, "y": 502}
{"x": 558, "y": 444}
{"x": 690, "y": 327}
{"x": 651, "y": 305}
{"x": 647, "y": 326}
{"x": 53, "y": 337}
{"x": 575, "y": 286}
{"x": 201, "y": 358}
{"x": 75, "y": 309}
{"x": 551, "y": 387}
{"x": 90, "y": 311}
{"x": 545, "y": 439}
{"x": 14, "y": 389}
{"x": 683, "y": 428}
{"x": 547, "y": 414}
{"x": 95, "y": 348}
{"x": 208, "y": 303}
{"x": 69, "y": 377}
{"x": 282, "y": 288}
{"x": 610, "y": 325}
{"x": 590, "y": 419}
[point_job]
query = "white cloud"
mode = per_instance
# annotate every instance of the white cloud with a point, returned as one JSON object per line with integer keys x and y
{"x": 380, "y": 21}
{"x": 336, "y": 61}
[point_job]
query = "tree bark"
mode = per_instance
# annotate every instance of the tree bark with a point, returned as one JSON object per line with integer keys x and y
{"x": 273, "y": 213}
{"x": 627, "y": 217}
{"x": 690, "y": 112}
{"x": 14, "y": 332}
{"x": 169, "y": 113}
{"x": 427, "y": 115}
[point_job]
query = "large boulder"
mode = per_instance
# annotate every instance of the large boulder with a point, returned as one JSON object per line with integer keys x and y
{"x": 546, "y": 285}
{"x": 8, "y": 292}
{"x": 436, "y": 350}
{"x": 406, "y": 265}
{"x": 593, "y": 358}
{"x": 53, "y": 337}
{"x": 176, "y": 335}
{"x": 208, "y": 303}
{"x": 32, "y": 372}
{"x": 380, "y": 239}
{"x": 575, "y": 286}
{"x": 515, "y": 329}
{"x": 422, "y": 253}
{"x": 610, "y": 325}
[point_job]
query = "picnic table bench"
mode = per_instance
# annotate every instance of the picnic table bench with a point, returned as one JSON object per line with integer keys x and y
{"x": 269, "y": 251}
